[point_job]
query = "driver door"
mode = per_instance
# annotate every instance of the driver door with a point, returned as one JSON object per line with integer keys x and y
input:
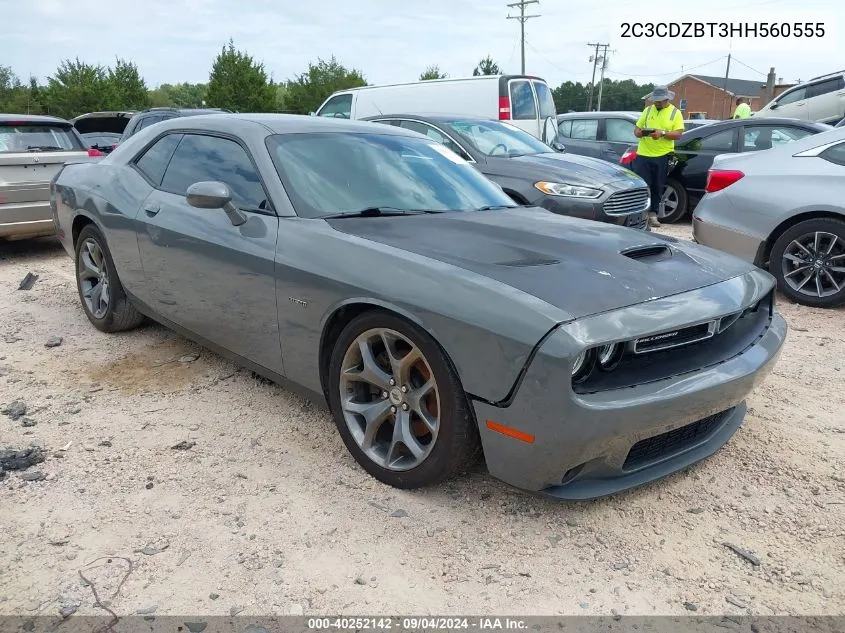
{"x": 205, "y": 274}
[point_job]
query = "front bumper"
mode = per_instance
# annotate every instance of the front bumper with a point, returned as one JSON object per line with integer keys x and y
{"x": 584, "y": 446}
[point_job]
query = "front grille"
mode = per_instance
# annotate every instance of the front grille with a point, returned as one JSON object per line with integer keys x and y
{"x": 676, "y": 338}
{"x": 665, "y": 444}
{"x": 625, "y": 202}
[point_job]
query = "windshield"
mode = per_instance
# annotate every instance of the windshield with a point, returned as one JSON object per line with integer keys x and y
{"x": 330, "y": 173}
{"x": 494, "y": 138}
{"x": 33, "y": 137}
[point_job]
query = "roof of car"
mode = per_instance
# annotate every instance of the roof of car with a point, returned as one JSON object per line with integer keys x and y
{"x": 103, "y": 114}
{"x": 280, "y": 123}
{"x": 732, "y": 123}
{"x": 439, "y": 117}
{"x": 32, "y": 118}
{"x": 602, "y": 114}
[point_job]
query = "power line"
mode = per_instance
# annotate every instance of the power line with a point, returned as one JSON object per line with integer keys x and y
{"x": 712, "y": 61}
{"x": 749, "y": 67}
{"x": 522, "y": 19}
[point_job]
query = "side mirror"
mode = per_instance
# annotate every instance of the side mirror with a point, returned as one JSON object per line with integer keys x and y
{"x": 774, "y": 106}
{"x": 214, "y": 195}
{"x": 558, "y": 146}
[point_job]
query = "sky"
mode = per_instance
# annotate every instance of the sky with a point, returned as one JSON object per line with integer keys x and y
{"x": 393, "y": 41}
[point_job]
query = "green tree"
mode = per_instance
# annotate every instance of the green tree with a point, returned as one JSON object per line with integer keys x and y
{"x": 308, "y": 90}
{"x": 432, "y": 72}
{"x": 239, "y": 83}
{"x": 486, "y": 67}
{"x": 128, "y": 89}
{"x": 183, "y": 95}
{"x": 76, "y": 88}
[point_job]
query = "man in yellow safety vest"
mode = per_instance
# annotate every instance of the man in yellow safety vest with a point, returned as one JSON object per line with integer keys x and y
{"x": 743, "y": 110}
{"x": 658, "y": 127}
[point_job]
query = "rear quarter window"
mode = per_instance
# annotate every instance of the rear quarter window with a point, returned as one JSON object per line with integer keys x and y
{"x": 29, "y": 137}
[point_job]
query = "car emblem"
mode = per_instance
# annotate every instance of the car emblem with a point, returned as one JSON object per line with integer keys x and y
{"x": 35, "y": 159}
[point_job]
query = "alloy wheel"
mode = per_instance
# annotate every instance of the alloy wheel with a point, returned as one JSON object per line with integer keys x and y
{"x": 669, "y": 202}
{"x": 93, "y": 278}
{"x": 390, "y": 399}
{"x": 814, "y": 264}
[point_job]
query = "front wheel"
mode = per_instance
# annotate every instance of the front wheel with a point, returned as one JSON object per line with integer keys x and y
{"x": 398, "y": 404}
{"x": 100, "y": 291}
{"x": 674, "y": 203}
{"x": 808, "y": 261}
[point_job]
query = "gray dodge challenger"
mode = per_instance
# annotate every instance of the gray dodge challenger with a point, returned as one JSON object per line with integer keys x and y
{"x": 373, "y": 268}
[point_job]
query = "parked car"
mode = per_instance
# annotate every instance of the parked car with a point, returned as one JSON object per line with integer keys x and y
{"x": 696, "y": 149}
{"x": 523, "y": 100}
{"x": 605, "y": 135}
{"x": 783, "y": 210}
{"x": 104, "y": 142}
{"x": 32, "y": 149}
{"x": 377, "y": 271}
{"x": 819, "y": 99}
{"x": 532, "y": 173}
{"x": 692, "y": 124}
{"x": 146, "y": 118}
{"x": 111, "y": 122}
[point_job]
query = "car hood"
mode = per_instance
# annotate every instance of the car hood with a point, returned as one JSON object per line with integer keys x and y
{"x": 581, "y": 267}
{"x": 569, "y": 168}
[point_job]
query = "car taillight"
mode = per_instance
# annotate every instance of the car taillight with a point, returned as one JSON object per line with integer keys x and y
{"x": 93, "y": 151}
{"x": 504, "y": 109}
{"x": 718, "y": 179}
{"x": 628, "y": 157}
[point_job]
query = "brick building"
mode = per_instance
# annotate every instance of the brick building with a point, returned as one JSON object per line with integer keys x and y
{"x": 705, "y": 94}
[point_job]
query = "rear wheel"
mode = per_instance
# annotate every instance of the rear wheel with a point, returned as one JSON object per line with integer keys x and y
{"x": 398, "y": 404}
{"x": 100, "y": 291}
{"x": 674, "y": 206}
{"x": 808, "y": 261}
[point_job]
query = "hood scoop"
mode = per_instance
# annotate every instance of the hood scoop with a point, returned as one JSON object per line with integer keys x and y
{"x": 650, "y": 253}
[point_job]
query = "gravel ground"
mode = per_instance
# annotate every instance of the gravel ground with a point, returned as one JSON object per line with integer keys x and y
{"x": 260, "y": 509}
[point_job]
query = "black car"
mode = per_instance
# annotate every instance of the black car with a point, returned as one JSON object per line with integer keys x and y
{"x": 533, "y": 173}
{"x": 696, "y": 149}
{"x": 146, "y": 118}
{"x": 104, "y": 142}
{"x": 606, "y": 135}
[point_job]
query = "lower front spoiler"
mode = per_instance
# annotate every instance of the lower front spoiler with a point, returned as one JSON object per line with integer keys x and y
{"x": 592, "y": 488}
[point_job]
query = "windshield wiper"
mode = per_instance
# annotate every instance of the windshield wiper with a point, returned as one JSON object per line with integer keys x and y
{"x": 43, "y": 148}
{"x": 378, "y": 212}
{"x": 494, "y": 207}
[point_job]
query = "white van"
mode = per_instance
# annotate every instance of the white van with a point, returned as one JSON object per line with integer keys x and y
{"x": 522, "y": 100}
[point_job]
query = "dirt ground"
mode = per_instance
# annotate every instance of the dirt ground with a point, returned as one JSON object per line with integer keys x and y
{"x": 262, "y": 511}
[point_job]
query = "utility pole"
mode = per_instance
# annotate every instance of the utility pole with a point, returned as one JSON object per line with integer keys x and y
{"x": 601, "y": 81}
{"x": 595, "y": 59}
{"x": 522, "y": 18}
{"x": 725, "y": 87}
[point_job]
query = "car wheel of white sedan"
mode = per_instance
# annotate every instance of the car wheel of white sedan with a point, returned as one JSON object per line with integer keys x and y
{"x": 398, "y": 403}
{"x": 100, "y": 291}
{"x": 808, "y": 261}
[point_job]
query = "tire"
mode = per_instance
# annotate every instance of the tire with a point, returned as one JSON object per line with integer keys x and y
{"x": 782, "y": 262}
{"x": 119, "y": 314}
{"x": 678, "y": 213}
{"x": 450, "y": 448}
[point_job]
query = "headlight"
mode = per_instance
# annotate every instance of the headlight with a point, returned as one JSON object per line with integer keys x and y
{"x": 609, "y": 356}
{"x": 647, "y": 204}
{"x": 563, "y": 189}
{"x": 583, "y": 365}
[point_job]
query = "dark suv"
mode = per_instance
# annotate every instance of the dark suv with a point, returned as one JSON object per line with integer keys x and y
{"x": 146, "y": 118}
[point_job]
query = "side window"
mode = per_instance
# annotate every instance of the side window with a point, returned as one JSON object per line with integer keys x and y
{"x": 149, "y": 120}
{"x": 724, "y": 141}
{"x": 585, "y": 129}
{"x": 835, "y": 154}
{"x": 825, "y": 87}
{"x": 201, "y": 157}
{"x": 547, "y": 102}
{"x": 339, "y": 106}
{"x": 760, "y": 137}
{"x": 523, "y": 106}
{"x": 799, "y": 94}
{"x": 153, "y": 161}
{"x": 620, "y": 131}
{"x": 564, "y": 128}
{"x": 392, "y": 122}
{"x": 435, "y": 135}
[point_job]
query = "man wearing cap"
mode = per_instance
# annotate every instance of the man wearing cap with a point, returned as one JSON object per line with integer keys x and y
{"x": 658, "y": 127}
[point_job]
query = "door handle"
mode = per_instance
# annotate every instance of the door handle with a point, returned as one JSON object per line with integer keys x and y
{"x": 151, "y": 208}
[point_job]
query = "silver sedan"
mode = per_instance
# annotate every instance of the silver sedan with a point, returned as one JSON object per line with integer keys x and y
{"x": 783, "y": 209}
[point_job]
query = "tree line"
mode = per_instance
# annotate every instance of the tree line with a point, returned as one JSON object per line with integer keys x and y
{"x": 238, "y": 82}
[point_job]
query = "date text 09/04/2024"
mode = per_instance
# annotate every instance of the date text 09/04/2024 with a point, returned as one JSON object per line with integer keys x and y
{"x": 428, "y": 623}
{"x": 723, "y": 29}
